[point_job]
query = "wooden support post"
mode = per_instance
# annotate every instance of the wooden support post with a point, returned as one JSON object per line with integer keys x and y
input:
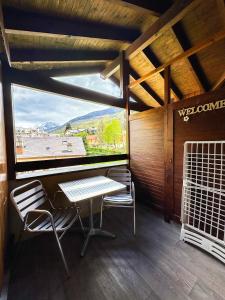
{"x": 168, "y": 147}
{"x": 124, "y": 82}
{"x": 9, "y": 122}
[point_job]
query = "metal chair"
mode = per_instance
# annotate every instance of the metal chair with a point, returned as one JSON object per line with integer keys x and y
{"x": 126, "y": 198}
{"x": 29, "y": 200}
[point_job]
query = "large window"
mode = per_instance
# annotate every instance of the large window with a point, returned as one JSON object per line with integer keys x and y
{"x": 49, "y": 126}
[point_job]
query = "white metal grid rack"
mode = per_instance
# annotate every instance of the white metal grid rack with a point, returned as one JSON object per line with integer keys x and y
{"x": 203, "y": 196}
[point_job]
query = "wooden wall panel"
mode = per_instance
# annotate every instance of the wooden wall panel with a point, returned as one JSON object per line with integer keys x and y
{"x": 147, "y": 155}
{"x": 3, "y": 186}
{"x": 205, "y": 126}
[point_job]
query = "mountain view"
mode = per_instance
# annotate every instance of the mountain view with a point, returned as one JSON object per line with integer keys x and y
{"x": 94, "y": 117}
{"x": 101, "y": 132}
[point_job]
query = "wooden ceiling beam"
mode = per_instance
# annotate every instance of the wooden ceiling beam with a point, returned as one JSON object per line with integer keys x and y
{"x": 199, "y": 46}
{"x": 147, "y": 88}
{"x": 38, "y": 82}
{"x": 173, "y": 15}
{"x": 156, "y": 63}
{"x": 219, "y": 84}
{"x": 3, "y": 38}
{"x": 70, "y": 71}
{"x": 18, "y": 19}
{"x": 19, "y": 55}
{"x": 193, "y": 60}
{"x": 141, "y": 103}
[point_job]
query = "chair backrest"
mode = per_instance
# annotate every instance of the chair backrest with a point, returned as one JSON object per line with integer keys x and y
{"x": 28, "y": 197}
{"x": 122, "y": 175}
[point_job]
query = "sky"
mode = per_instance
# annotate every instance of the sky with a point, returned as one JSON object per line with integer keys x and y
{"x": 32, "y": 107}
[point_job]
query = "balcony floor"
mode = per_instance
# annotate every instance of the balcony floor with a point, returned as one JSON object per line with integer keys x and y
{"x": 153, "y": 265}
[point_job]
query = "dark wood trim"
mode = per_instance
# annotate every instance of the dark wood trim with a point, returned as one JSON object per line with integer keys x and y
{"x": 20, "y": 55}
{"x": 9, "y": 121}
{"x": 70, "y": 71}
{"x": 185, "y": 43}
{"x": 3, "y": 38}
{"x": 66, "y": 162}
{"x": 124, "y": 82}
{"x": 48, "y": 24}
{"x": 147, "y": 88}
{"x": 156, "y": 63}
{"x": 168, "y": 147}
{"x": 33, "y": 80}
{"x": 173, "y": 15}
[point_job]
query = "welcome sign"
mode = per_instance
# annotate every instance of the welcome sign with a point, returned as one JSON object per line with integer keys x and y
{"x": 186, "y": 112}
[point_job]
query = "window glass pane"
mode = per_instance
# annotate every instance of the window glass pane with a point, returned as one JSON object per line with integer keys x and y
{"x": 92, "y": 82}
{"x": 49, "y": 126}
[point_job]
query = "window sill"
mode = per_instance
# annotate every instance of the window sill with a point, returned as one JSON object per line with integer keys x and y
{"x": 79, "y": 168}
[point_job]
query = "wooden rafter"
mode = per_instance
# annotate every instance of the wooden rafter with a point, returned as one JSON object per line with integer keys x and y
{"x": 156, "y": 63}
{"x": 182, "y": 39}
{"x": 174, "y": 14}
{"x": 3, "y": 38}
{"x": 193, "y": 61}
{"x": 200, "y": 46}
{"x": 141, "y": 103}
{"x": 147, "y": 88}
{"x": 61, "y": 55}
{"x": 132, "y": 95}
{"x": 220, "y": 82}
{"x": 45, "y": 24}
{"x": 33, "y": 80}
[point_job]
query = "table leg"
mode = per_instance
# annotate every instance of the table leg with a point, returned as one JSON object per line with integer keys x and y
{"x": 94, "y": 231}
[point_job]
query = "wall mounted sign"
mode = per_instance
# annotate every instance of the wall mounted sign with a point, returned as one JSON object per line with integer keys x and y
{"x": 185, "y": 113}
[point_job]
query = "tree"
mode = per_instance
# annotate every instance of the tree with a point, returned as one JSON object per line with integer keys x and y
{"x": 112, "y": 132}
{"x": 68, "y": 127}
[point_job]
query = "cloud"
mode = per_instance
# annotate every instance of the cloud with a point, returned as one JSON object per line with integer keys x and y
{"x": 32, "y": 107}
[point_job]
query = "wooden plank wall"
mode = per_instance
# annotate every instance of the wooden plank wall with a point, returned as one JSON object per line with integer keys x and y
{"x": 3, "y": 186}
{"x": 147, "y": 153}
{"x": 206, "y": 126}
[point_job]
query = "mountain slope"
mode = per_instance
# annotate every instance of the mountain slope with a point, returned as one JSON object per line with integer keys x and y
{"x": 94, "y": 115}
{"x": 90, "y": 116}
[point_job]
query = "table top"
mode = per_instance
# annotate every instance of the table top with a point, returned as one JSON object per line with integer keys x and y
{"x": 78, "y": 190}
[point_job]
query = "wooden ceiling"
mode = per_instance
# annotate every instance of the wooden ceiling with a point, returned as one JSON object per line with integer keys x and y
{"x": 84, "y": 36}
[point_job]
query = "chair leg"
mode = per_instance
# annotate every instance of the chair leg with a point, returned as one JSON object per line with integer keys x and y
{"x": 81, "y": 223}
{"x": 101, "y": 220}
{"x": 61, "y": 253}
{"x": 134, "y": 220}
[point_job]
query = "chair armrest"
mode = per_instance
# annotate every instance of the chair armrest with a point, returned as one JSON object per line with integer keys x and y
{"x": 39, "y": 212}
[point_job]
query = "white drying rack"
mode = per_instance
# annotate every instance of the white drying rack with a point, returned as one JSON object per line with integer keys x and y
{"x": 203, "y": 196}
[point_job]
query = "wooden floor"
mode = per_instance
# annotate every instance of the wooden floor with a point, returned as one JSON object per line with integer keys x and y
{"x": 153, "y": 265}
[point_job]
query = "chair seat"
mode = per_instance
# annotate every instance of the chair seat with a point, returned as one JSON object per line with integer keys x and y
{"x": 62, "y": 218}
{"x": 123, "y": 199}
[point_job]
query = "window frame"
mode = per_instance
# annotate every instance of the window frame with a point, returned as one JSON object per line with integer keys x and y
{"x": 14, "y": 166}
